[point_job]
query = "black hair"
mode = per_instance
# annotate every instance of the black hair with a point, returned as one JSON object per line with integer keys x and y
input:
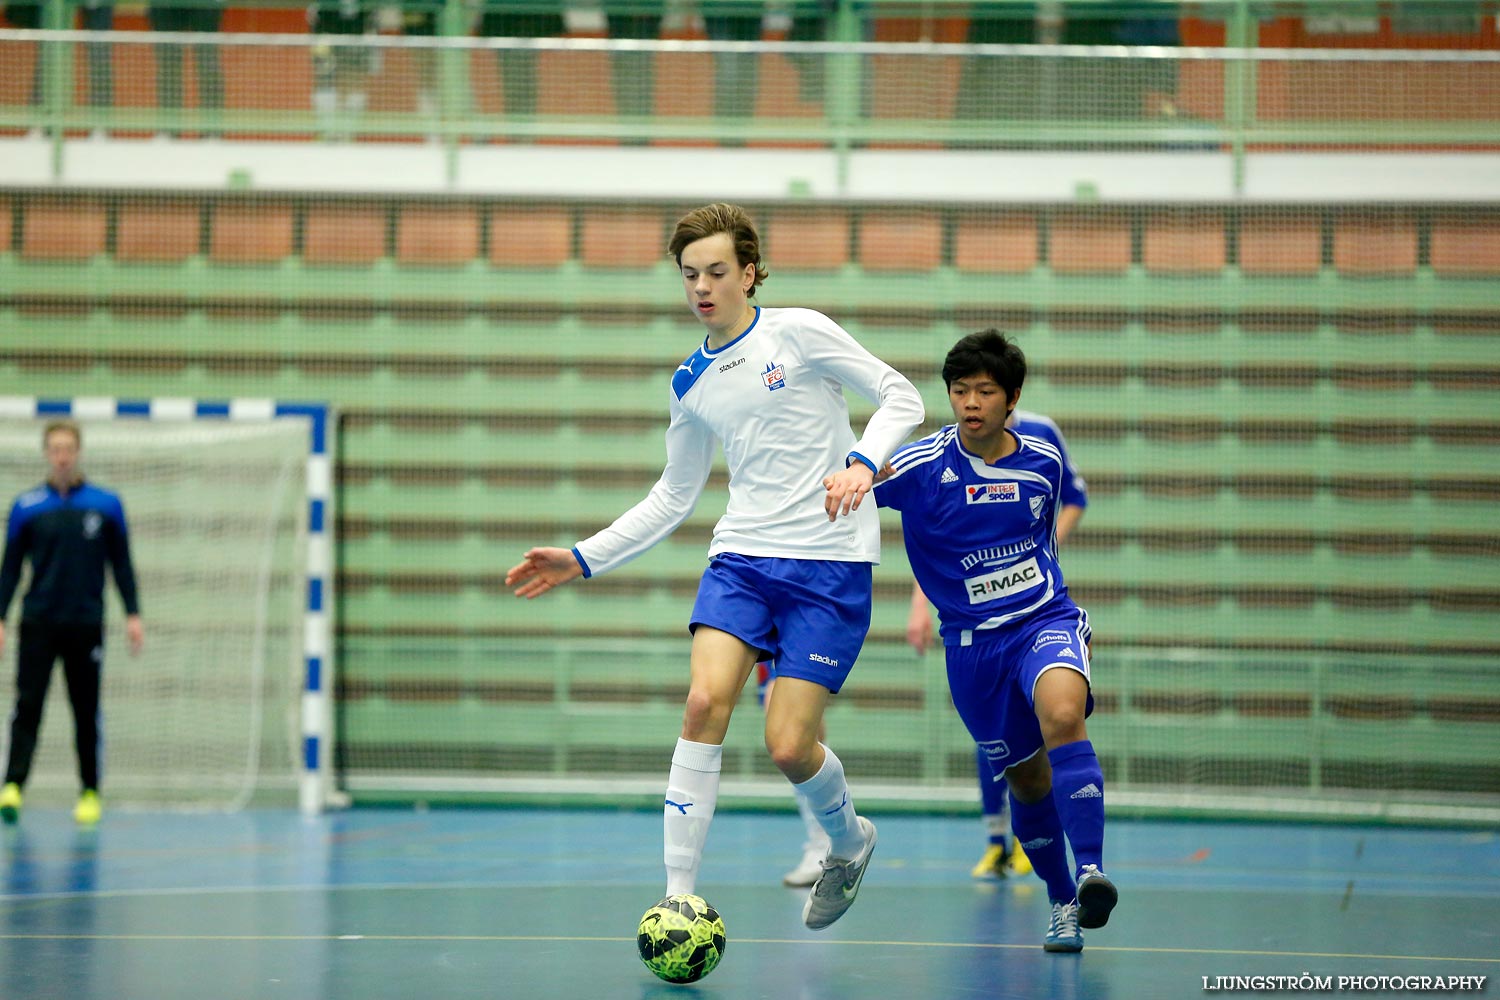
{"x": 988, "y": 352}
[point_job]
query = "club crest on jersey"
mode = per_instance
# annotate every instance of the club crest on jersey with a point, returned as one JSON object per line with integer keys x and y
{"x": 92, "y": 522}
{"x": 994, "y": 493}
{"x": 1037, "y": 503}
{"x": 774, "y": 376}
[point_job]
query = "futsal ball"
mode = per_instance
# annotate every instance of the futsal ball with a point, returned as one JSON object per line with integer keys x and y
{"x": 681, "y": 939}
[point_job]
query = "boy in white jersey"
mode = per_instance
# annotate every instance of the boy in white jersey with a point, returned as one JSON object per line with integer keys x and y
{"x": 979, "y": 507}
{"x": 789, "y": 574}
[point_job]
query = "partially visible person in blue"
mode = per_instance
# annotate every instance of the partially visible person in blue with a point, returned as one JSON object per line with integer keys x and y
{"x": 979, "y": 506}
{"x": 1001, "y": 857}
{"x": 70, "y": 529}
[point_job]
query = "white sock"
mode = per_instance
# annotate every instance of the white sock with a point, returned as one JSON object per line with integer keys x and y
{"x": 692, "y": 793}
{"x": 815, "y": 834}
{"x": 827, "y": 797}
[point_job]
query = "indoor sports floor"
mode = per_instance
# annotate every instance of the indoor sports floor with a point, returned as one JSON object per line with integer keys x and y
{"x": 525, "y": 903}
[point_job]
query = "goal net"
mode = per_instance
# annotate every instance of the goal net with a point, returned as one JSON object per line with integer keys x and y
{"x": 208, "y": 715}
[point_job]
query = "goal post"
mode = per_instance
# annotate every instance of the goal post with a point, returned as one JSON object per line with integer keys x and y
{"x": 230, "y": 509}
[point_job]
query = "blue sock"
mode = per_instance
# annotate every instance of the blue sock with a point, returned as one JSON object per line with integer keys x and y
{"x": 991, "y": 797}
{"x": 1040, "y": 832}
{"x": 1078, "y": 790}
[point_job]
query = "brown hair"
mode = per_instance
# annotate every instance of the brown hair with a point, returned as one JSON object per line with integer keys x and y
{"x": 711, "y": 220}
{"x": 63, "y": 424}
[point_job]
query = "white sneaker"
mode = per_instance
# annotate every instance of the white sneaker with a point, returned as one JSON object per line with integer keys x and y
{"x": 1063, "y": 933}
{"x": 835, "y": 891}
{"x": 807, "y": 871}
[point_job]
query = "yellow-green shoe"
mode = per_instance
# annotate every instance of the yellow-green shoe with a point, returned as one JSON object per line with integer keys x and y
{"x": 10, "y": 802}
{"x": 992, "y": 865}
{"x": 88, "y": 809}
{"x": 1018, "y": 864}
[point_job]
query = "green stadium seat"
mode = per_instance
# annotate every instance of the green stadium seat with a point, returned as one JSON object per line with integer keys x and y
{"x": 156, "y": 229}
{"x": 437, "y": 235}
{"x": 344, "y": 233}
{"x": 63, "y": 228}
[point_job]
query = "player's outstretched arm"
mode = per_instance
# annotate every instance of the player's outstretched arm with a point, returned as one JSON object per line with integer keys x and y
{"x": 540, "y": 570}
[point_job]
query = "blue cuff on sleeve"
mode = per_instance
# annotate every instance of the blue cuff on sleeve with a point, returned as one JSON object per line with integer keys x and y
{"x": 582, "y": 562}
{"x": 855, "y": 456}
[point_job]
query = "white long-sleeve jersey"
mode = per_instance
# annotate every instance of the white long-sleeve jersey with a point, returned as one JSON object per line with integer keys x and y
{"x": 774, "y": 397}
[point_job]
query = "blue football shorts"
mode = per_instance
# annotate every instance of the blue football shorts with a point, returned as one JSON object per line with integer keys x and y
{"x": 809, "y": 616}
{"x": 993, "y": 683}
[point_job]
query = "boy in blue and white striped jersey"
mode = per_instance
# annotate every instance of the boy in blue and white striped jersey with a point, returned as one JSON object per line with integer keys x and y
{"x": 979, "y": 505}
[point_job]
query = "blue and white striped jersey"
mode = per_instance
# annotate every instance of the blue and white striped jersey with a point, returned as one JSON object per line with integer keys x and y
{"x": 773, "y": 397}
{"x": 980, "y": 537}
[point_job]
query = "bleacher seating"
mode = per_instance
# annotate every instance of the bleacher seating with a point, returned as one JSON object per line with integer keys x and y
{"x": 1281, "y": 243}
{"x": 814, "y": 239}
{"x": 530, "y": 236}
{"x": 1466, "y": 243}
{"x": 344, "y": 234}
{"x": 250, "y": 232}
{"x": 63, "y": 228}
{"x": 901, "y": 241}
{"x": 1265, "y": 484}
{"x": 996, "y": 242}
{"x": 437, "y": 235}
{"x": 1375, "y": 243}
{"x": 1184, "y": 241}
{"x": 1089, "y": 242}
{"x": 622, "y": 237}
{"x": 156, "y": 231}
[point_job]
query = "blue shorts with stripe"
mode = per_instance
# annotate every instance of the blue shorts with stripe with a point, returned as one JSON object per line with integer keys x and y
{"x": 808, "y": 615}
{"x": 993, "y": 682}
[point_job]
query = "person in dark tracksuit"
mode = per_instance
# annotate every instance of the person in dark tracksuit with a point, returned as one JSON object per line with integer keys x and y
{"x": 70, "y": 529}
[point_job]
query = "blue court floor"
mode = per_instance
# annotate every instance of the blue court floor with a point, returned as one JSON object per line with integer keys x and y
{"x": 526, "y": 903}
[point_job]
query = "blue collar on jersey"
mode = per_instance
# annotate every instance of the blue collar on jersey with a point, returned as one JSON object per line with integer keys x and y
{"x": 690, "y": 371}
{"x": 958, "y": 441}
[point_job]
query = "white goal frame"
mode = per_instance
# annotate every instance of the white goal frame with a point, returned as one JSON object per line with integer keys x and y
{"x": 315, "y": 785}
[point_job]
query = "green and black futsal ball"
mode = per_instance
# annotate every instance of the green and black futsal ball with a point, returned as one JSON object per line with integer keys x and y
{"x": 681, "y": 938}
